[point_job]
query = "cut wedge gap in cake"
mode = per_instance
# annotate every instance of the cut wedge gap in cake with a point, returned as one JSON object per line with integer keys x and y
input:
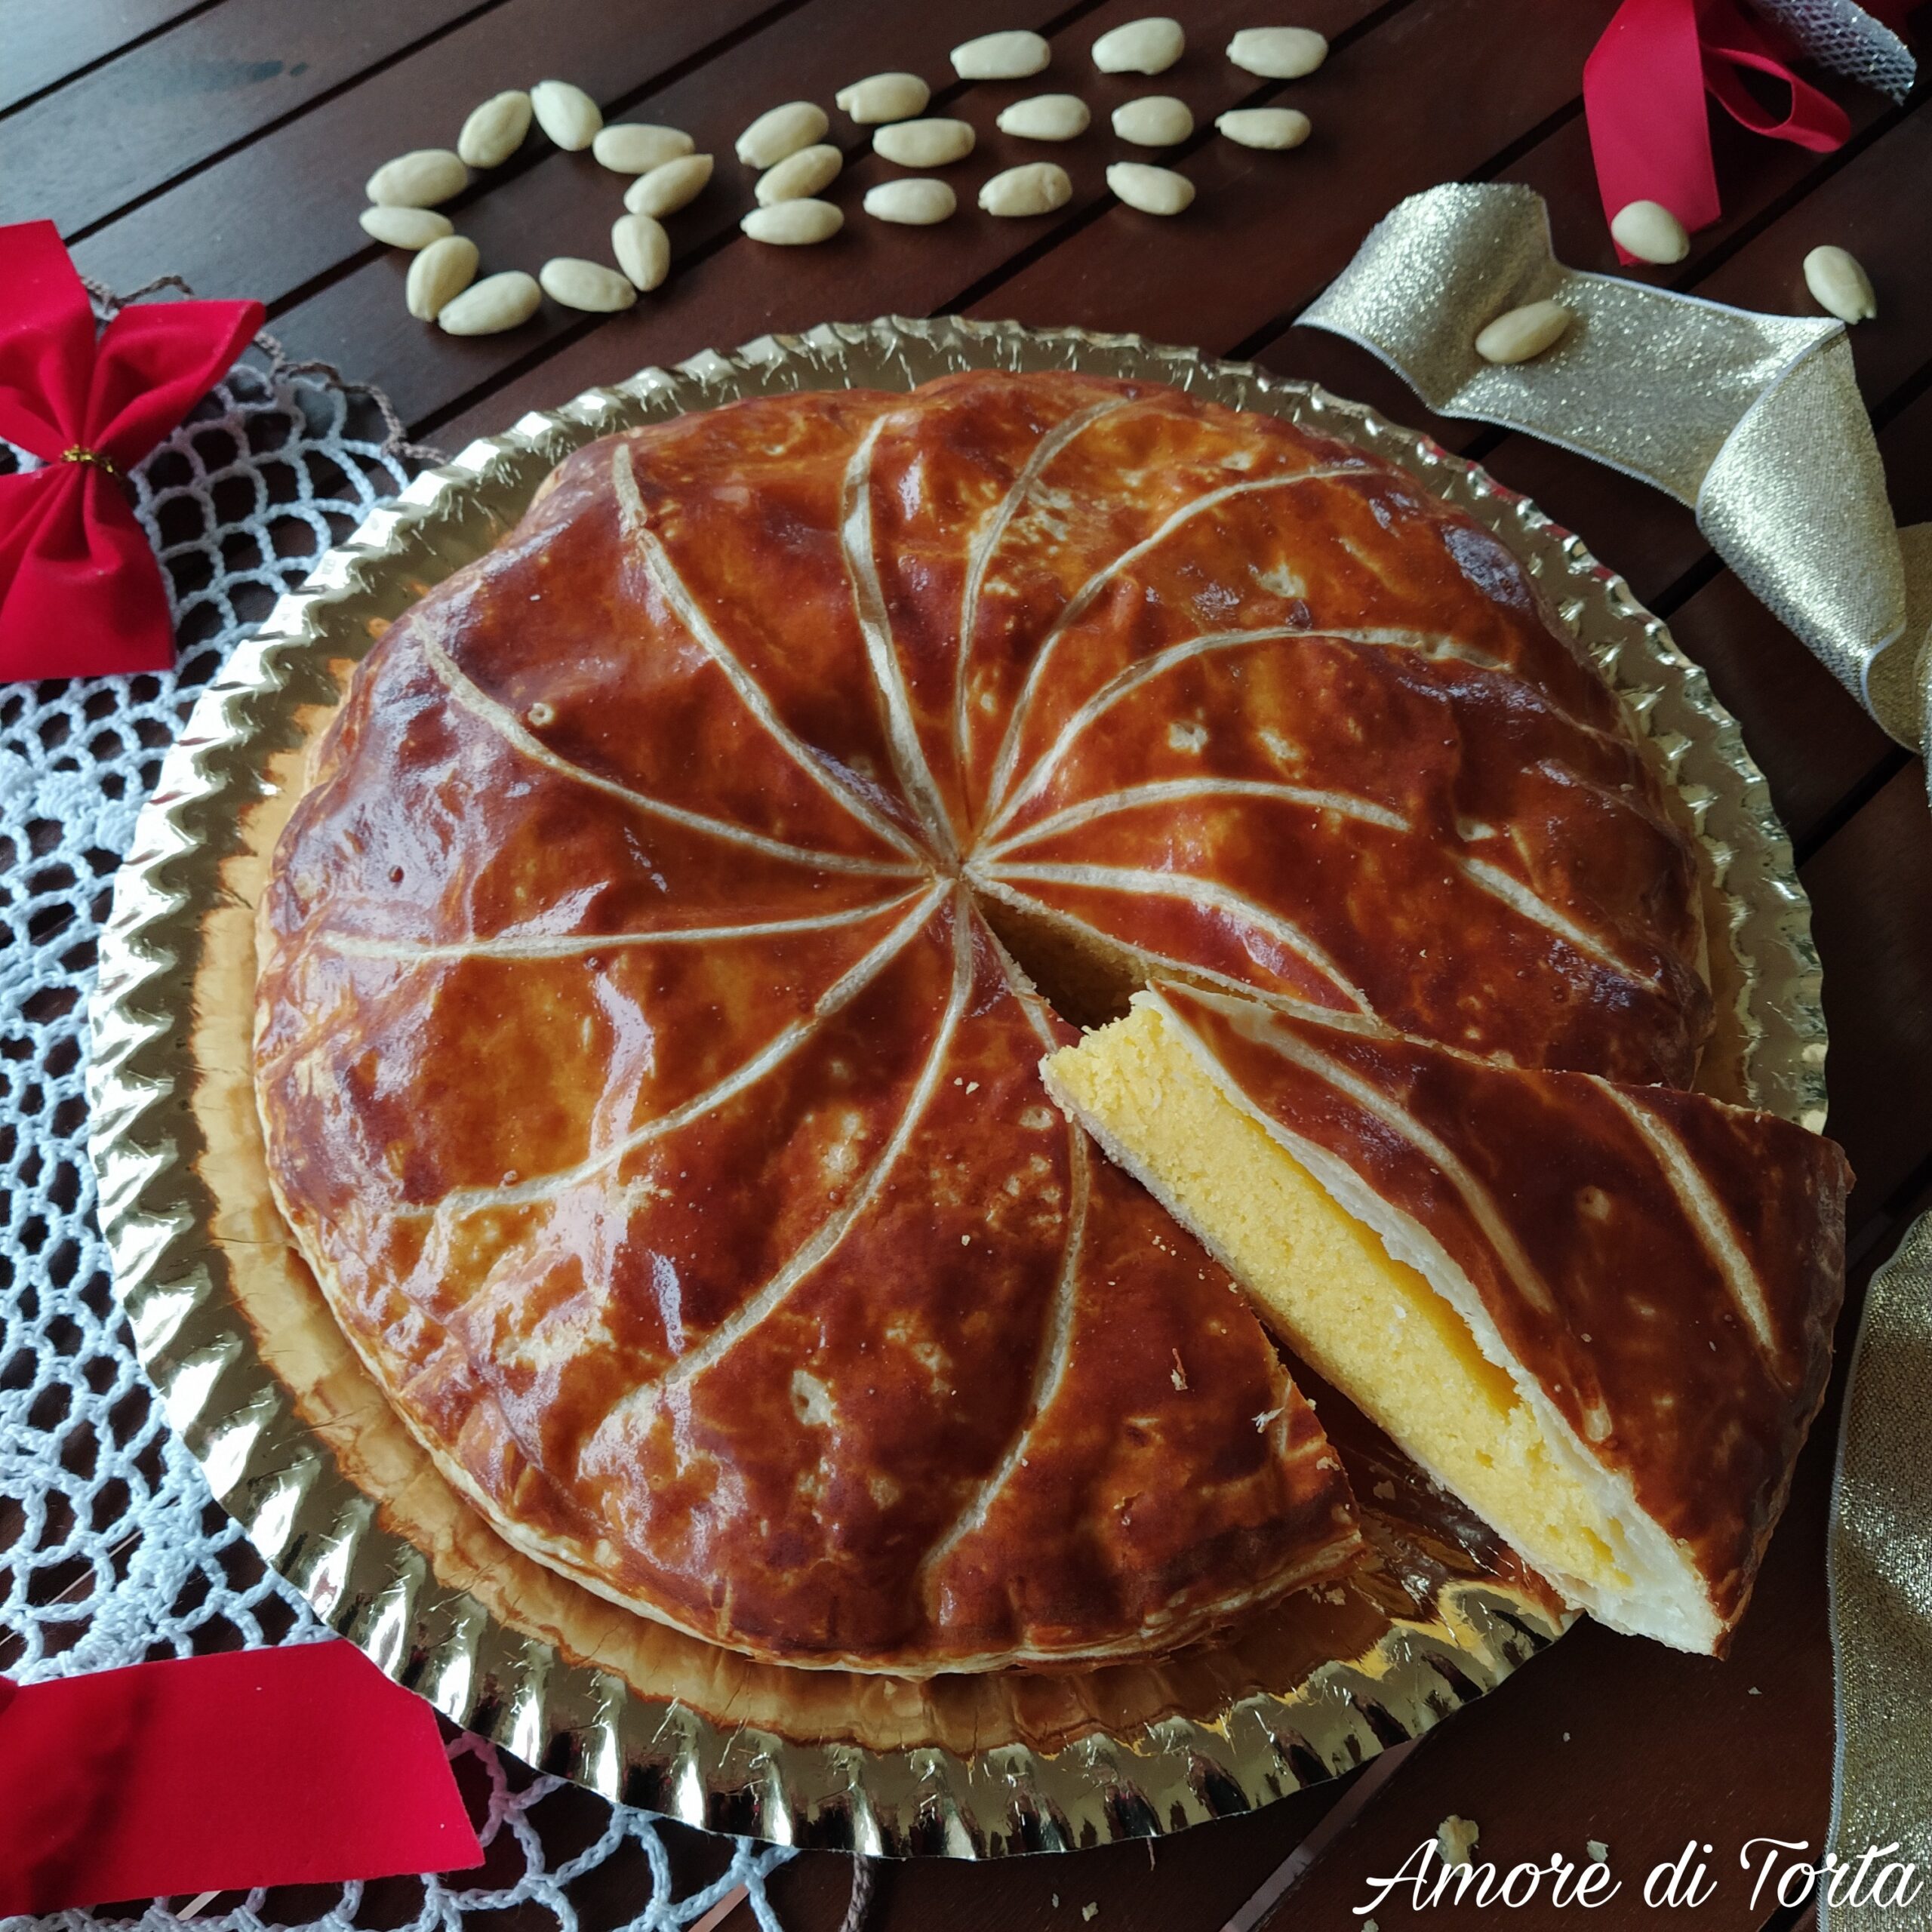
{"x": 1612, "y": 1357}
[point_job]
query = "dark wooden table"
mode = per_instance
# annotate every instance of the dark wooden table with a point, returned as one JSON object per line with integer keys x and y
{"x": 227, "y": 141}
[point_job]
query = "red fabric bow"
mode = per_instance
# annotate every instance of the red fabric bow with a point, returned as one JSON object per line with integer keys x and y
{"x": 1644, "y": 89}
{"x": 80, "y": 589}
{"x": 297, "y": 1766}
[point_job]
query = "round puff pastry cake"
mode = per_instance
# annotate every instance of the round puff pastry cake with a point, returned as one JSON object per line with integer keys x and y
{"x": 654, "y": 976}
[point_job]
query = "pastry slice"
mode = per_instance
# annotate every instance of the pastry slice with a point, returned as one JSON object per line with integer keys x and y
{"x": 1600, "y": 1314}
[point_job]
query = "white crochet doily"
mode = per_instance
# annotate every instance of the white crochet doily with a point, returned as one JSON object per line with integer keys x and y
{"x": 111, "y": 1549}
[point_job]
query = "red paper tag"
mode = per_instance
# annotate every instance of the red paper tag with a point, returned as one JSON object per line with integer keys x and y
{"x": 301, "y": 1765}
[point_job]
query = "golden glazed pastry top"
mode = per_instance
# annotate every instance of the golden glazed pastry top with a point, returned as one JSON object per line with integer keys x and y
{"x": 643, "y": 1081}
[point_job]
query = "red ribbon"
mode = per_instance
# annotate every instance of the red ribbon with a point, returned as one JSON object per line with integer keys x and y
{"x": 1644, "y": 89}
{"x": 304, "y": 1765}
{"x": 81, "y": 588}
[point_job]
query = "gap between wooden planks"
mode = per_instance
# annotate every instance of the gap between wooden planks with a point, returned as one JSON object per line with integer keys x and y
{"x": 227, "y": 228}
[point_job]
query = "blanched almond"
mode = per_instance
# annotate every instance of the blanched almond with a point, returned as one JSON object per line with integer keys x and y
{"x": 1522, "y": 333}
{"x": 405, "y": 228}
{"x": 635, "y": 147}
{"x": 495, "y": 130}
{"x": 918, "y": 201}
{"x": 1037, "y": 188}
{"x": 1649, "y": 231}
{"x": 793, "y": 224}
{"x": 799, "y": 177}
{"x": 1001, "y": 57}
{"x": 590, "y": 286}
{"x": 418, "y": 180}
{"x": 1266, "y": 127}
{"x": 1839, "y": 284}
{"x": 1152, "y": 190}
{"x": 669, "y": 187}
{"x": 781, "y": 131}
{"x": 567, "y": 115}
{"x": 929, "y": 144}
{"x": 1154, "y": 121}
{"x": 1278, "y": 54}
{"x": 642, "y": 248}
{"x": 439, "y": 274}
{"x": 1151, "y": 46}
{"x": 1046, "y": 117}
{"x": 881, "y": 97}
{"x": 496, "y": 302}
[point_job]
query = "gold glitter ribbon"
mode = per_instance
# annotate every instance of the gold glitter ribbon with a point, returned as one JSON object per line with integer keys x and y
{"x": 1753, "y": 421}
{"x": 1882, "y": 1600}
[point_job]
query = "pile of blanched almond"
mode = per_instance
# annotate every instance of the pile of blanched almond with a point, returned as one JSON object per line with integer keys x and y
{"x": 796, "y": 164}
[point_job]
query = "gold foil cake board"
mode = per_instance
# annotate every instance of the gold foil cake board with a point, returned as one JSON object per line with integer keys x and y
{"x": 299, "y": 1442}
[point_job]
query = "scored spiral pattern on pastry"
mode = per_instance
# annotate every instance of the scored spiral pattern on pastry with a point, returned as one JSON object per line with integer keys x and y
{"x": 643, "y": 1081}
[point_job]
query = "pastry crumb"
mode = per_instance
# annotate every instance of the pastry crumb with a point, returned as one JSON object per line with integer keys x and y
{"x": 1267, "y": 1416}
{"x": 1456, "y": 1838}
{"x": 1753, "y": 1691}
{"x": 1179, "y": 1378}
{"x": 1384, "y": 1491}
{"x": 1090, "y": 1911}
{"x": 1599, "y": 1852}
{"x": 1566, "y": 1737}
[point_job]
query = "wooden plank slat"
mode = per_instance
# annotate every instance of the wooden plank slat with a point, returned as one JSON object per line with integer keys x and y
{"x": 1266, "y": 232}
{"x": 46, "y": 44}
{"x": 1219, "y": 287}
{"x": 1870, "y": 890}
{"x": 747, "y": 288}
{"x": 1192, "y": 1882}
{"x": 1815, "y": 742}
{"x": 211, "y": 228}
{"x": 122, "y": 130}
